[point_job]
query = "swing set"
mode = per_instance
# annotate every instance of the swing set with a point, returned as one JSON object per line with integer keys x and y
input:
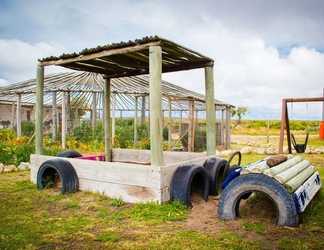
{"x": 300, "y": 148}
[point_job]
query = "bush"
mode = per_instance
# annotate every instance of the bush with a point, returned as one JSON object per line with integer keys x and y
{"x": 27, "y": 128}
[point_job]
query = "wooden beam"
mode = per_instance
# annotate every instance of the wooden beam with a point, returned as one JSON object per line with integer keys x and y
{"x": 19, "y": 116}
{"x": 54, "y": 116}
{"x": 156, "y": 133}
{"x": 135, "y": 122}
{"x": 191, "y": 129}
{"x": 63, "y": 120}
{"x": 107, "y": 120}
{"x": 105, "y": 53}
{"x": 39, "y": 110}
{"x": 210, "y": 111}
{"x": 169, "y": 125}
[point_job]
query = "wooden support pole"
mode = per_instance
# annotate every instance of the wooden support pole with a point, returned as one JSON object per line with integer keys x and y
{"x": 169, "y": 125}
{"x": 143, "y": 109}
{"x": 12, "y": 115}
{"x": 54, "y": 116}
{"x": 113, "y": 123}
{"x": 191, "y": 131}
{"x": 107, "y": 120}
{"x": 68, "y": 113}
{"x": 155, "y": 64}
{"x": 39, "y": 110}
{"x": 94, "y": 109}
{"x": 19, "y": 116}
{"x": 210, "y": 111}
{"x": 222, "y": 128}
{"x": 227, "y": 128}
{"x": 135, "y": 122}
{"x": 63, "y": 119}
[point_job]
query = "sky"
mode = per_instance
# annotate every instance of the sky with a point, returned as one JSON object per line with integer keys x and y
{"x": 264, "y": 50}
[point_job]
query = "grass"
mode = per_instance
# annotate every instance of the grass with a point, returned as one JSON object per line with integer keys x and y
{"x": 33, "y": 219}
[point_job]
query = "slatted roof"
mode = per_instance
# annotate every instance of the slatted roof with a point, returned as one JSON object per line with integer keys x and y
{"x": 130, "y": 58}
{"x": 82, "y": 86}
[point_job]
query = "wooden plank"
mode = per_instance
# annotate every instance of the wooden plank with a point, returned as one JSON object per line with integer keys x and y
{"x": 306, "y": 192}
{"x": 127, "y": 193}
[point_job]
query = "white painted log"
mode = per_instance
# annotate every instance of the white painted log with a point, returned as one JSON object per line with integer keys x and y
{"x": 294, "y": 183}
{"x": 291, "y": 172}
{"x": 283, "y": 166}
{"x": 260, "y": 168}
{"x": 306, "y": 192}
{"x": 248, "y": 168}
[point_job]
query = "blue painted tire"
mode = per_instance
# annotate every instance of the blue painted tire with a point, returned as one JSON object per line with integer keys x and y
{"x": 214, "y": 168}
{"x": 186, "y": 178}
{"x": 68, "y": 175}
{"x": 69, "y": 154}
{"x": 238, "y": 188}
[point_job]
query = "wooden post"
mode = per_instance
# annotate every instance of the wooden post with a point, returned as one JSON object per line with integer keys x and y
{"x": 39, "y": 110}
{"x": 94, "y": 110}
{"x": 227, "y": 128}
{"x": 169, "y": 125}
{"x": 135, "y": 122}
{"x": 63, "y": 120}
{"x": 156, "y": 136}
{"x": 282, "y": 127}
{"x": 210, "y": 111}
{"x": 12, "y": 115}
{"x": 113, "y": 123}
{"x": 107, "y": 120}
{"x": 54, "y": 116}
{"x": 222, "y": 127}
{"x": 19, "y": 116}
{"x": 68, "y": 113}
{"x": 143, "y": 109}
{"x": 191, "y": 131}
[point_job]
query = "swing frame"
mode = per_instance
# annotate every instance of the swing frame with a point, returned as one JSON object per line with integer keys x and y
{"x": 285, "y": 119}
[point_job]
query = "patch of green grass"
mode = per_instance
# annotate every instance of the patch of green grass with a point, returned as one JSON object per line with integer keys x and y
{"x": 116, "y": 202}
{"x": 292, "y": 244}
{"x": 155, "y": 213}
{"x": 255, "y": 227}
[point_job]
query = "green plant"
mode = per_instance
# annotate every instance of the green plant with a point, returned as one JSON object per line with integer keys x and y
{"x": 27, "y": 128}
{"x": 255, "y": 227}
{"x": 116, "y": 202}
{"x": 83, "y": 132}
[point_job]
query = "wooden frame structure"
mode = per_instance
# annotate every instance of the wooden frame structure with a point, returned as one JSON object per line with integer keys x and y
{"x": 285, "y": 119}
{"x": 150, "y": 55}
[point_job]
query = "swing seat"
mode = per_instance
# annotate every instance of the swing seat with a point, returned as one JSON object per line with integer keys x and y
{"x": 300, "y": 148}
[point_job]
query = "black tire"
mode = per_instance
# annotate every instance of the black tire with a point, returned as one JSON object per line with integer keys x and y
{"x": 228, "y": 168}
{"x": 188, "y": 178}
{"x": 214, "y": 168}
{"x": 241, "y": 186}
{"x": 68, "y": 175}
{"x": 69, "y": 154}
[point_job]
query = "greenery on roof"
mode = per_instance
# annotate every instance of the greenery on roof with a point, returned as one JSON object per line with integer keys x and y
{"x": 100, "y": 48}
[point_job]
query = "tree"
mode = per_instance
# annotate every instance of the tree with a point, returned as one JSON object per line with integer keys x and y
{"x": 238, "y": 112}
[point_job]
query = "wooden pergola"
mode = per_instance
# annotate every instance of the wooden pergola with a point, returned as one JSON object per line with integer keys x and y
{"x": 150, "y": 55}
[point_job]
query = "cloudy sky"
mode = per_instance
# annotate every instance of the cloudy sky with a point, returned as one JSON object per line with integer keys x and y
{"x": 264, "y": 50}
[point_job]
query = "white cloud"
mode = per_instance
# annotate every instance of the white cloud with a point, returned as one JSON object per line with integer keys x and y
{"x": 20, "y": 59}
{"x": 263, "y": 51}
